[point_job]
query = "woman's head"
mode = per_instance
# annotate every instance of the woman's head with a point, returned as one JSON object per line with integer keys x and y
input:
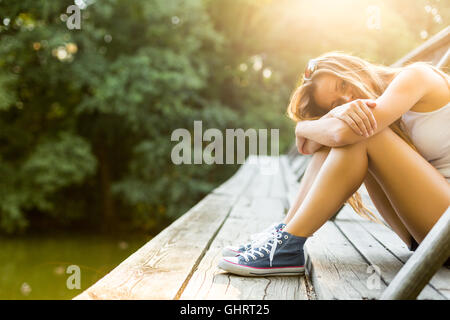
{"x": 334, "y": 79}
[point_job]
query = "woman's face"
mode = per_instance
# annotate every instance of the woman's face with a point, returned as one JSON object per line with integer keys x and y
{"x": 331, "y": 91}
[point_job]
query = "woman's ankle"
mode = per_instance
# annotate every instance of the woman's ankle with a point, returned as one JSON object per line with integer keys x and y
{"x": 297, "y": 233}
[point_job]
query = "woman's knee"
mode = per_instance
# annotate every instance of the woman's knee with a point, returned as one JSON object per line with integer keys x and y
{"x": 386, "y": 139}
{"x": 386, "y": 134}
{"x": 378, "y": 139}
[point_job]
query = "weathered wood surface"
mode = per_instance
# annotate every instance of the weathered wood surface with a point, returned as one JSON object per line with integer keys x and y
{"x": 383, "y": 262}
{"x": 395, "y": 246}
{"x": 422, "y": 265}
{"x": 348, "y": 258}
{"x": 336, "y": 268}
{"x": 181, "y": 261}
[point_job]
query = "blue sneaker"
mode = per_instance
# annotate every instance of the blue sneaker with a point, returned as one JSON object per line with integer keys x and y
{"x": 256, "y": 241}
{"x": 282, "y": 254}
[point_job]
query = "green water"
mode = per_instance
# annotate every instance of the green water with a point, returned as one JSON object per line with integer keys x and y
{"x": 35, "y": 267}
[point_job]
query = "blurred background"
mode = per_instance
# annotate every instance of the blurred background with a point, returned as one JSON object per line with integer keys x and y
{"x": 86, "y": 114}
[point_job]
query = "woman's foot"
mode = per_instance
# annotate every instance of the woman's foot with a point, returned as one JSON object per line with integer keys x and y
{"x": 282, "y": 254}
{"x": 256, "y": 241}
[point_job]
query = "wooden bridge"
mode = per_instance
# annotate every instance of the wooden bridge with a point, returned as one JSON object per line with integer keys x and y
{"x": 347, "y": 258}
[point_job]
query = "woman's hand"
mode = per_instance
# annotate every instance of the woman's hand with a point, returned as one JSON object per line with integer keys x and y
{"x": 357, "y": 115}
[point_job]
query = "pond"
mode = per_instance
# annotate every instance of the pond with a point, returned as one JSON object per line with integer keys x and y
{"x": 37, "y": 267}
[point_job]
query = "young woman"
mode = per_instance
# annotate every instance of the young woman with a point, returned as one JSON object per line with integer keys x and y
{"x": 388, "y": 128}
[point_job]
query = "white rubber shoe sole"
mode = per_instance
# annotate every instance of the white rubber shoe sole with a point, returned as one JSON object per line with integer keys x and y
{"x": 231, "y": 264}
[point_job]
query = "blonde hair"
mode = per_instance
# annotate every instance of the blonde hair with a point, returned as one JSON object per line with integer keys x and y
{"x": 368, "y": 81}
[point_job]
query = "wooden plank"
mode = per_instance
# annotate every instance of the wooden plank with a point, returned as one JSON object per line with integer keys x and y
{"x": 278, "y": 188}
{"x": 292, "y": 193}
{"x": 239, "y": 181}
{"x": 292, "y": 185}
{"x": 209, "y": 282}
{"x": 213, "y": 284}
{"x": 288, "y": 174}
{"x": 384, "y": 262}
{"x": 392, "y": 243}
{"x": 336, "y": 268}
{"x": 445, "y": 60}
{"x": 300, "y": 171}
{"x": 297, "y": 162}
{"x": 299, "y": 165}
{"x": 159, "y": 268}
{"x": 293, "y": 152}
{"x": 423, "y": 264}
{"x": 268, "y": 180}
{"x": 424, "y": 51}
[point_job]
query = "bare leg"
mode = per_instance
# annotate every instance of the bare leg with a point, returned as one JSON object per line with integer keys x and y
{"x": 417, "y": 191}
{"x": 385, "y": 209}
{"x": 375, "y": 191}
{"x": 314, "y": 165}
{"x": 339, "y": 177}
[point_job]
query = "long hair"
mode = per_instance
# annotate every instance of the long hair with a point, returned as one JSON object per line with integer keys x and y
{"x": 368, "y": 81}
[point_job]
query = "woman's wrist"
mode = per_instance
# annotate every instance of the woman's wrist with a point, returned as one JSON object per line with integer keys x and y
{"x": 299, "y": 128}
{"x": 305, "y": 145}
{"x": 327, "y": 115}
{"x": 302, "y": 126}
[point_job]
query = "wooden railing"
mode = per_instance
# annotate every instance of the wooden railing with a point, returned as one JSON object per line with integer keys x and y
{"x": 431, "y": 51}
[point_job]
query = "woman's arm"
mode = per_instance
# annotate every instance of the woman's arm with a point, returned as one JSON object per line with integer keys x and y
{"x": 408, "y": 87}
{"x": 305, "y": 145}
{"x": 323, "y": 131}
{"x": 311, "y": 146}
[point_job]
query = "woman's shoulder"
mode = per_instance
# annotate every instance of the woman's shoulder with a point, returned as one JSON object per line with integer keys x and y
{"x": 421, "y": 71}
{"x": 437, "y": 82}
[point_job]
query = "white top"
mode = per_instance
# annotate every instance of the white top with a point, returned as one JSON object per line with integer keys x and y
{"x": 430, "y": 133}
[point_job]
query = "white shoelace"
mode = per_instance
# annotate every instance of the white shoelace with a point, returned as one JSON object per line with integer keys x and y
{"x": 272, "y": 241}
{"x": 259, "y": 239}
